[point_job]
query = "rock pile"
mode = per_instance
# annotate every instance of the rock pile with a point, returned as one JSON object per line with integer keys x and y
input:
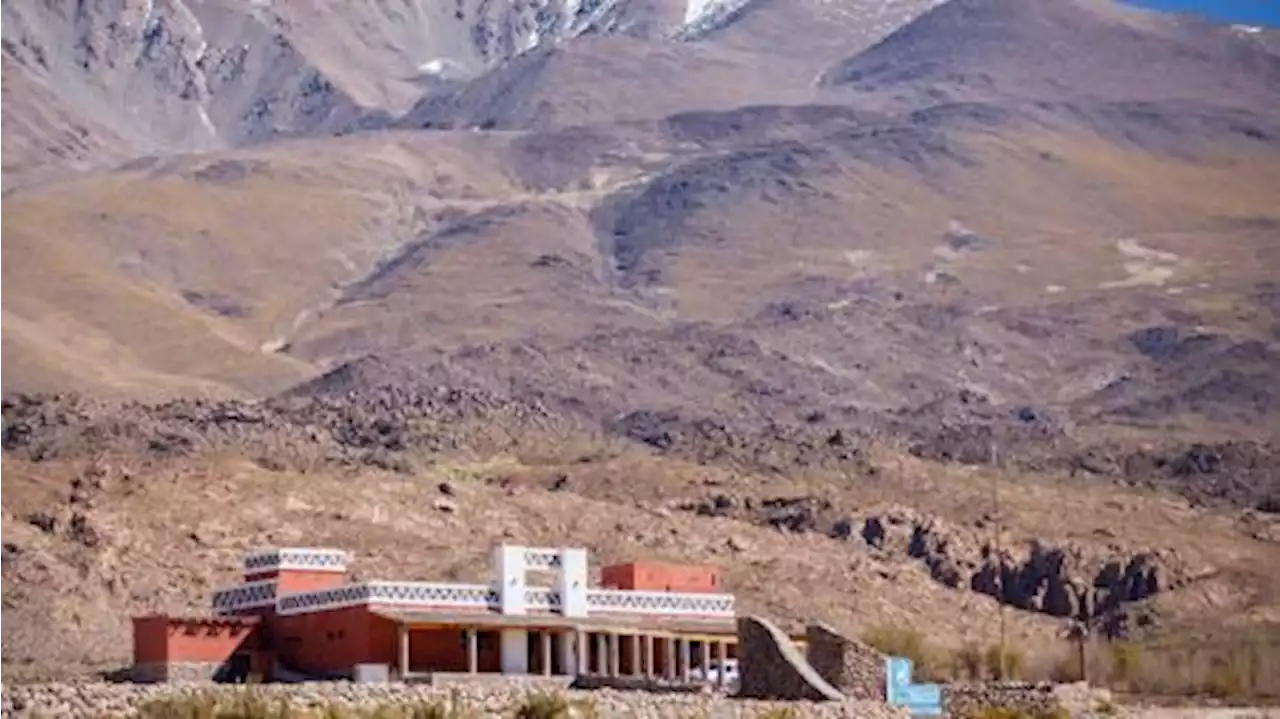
{"x": 1023, "y": 698}
{"x": 385, "y": 426}
{"x": 488, "y": 700}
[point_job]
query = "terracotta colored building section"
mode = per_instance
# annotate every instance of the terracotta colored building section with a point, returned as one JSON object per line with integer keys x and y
{"x": 660, "y": 576}
{"x": 300, "y": 581}
{"x": 177, "y": 648}
{"x": 294, "y": 615}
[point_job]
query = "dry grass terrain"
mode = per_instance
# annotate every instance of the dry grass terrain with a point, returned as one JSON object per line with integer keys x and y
{"x": 163, "y": 537}
{"x": 901, "y": 313}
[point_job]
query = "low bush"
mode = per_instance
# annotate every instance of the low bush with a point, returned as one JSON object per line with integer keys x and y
{"x": 541, "y": 705}
{"x": 1004, "y": 665}
{"x": 928, "y": 663}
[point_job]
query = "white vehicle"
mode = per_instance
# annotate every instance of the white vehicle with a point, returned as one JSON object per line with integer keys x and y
{"x": 729, "y": 668}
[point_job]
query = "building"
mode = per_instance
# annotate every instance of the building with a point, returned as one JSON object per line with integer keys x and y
{"x": 296, "y": 615}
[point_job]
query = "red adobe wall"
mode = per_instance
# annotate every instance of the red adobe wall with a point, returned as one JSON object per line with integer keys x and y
{"x": 445, "y": 650}
{"x": 661, "y": 576}
{"x": 162, "y": 639}
{"x": 334, "y": 641}
{"x": 325, "y": 641}
{"x": 291, "y": 581}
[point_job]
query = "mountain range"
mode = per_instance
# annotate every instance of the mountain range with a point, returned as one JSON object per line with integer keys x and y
{"x": 747, "y": 269}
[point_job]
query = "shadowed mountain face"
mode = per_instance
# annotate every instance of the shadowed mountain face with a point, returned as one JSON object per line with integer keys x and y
{"x": 139, "y": 76}
{"x": 817, "y": 255}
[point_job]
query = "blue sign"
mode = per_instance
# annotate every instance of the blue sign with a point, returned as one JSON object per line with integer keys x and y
{"x": 919, "y": 699}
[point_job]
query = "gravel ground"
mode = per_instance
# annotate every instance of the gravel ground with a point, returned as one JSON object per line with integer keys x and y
{"x": 122, "y": 700}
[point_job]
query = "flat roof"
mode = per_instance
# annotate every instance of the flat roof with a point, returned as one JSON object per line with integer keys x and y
{"x": 624, "y": 625}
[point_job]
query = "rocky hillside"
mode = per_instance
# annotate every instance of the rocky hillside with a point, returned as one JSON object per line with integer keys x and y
{"x": 957, "y": 301}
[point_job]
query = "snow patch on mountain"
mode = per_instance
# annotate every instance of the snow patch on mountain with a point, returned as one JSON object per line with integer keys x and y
{"x": 703, "y": 16}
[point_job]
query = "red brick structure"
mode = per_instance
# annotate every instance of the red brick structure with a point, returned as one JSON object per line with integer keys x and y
{"x": 296, "y": 615}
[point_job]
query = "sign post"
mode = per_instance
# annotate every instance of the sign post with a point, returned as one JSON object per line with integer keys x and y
{"x": 922, "y": 700}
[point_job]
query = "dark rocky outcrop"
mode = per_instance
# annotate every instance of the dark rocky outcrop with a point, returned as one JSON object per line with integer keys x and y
{"x": 1063, "y": 580}
{"x": 771, "y": 667}
{"x": 1068, "y": 580}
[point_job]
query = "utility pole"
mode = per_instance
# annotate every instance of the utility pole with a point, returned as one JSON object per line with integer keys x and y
{"x": 999, "y": 529}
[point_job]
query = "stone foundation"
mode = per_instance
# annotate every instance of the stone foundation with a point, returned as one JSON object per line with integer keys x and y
{"x": 852, "y": 667}
{"x": 770, "y": 666}
{"x": 77, "y": 701}
{"x": 174, "y": 672}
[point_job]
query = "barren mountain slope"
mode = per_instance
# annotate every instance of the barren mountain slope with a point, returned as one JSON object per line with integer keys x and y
{"x": 858, "y": 252}
{"x": 308, "y": 218}
{"x": 672, "y": 277}
{"x": 133, "y": 77}
{"x": 43, "y": 136}
{"x": 1059, "y": 50}
{"x": 808, "y": 34}
{"x": 597, "y": 80}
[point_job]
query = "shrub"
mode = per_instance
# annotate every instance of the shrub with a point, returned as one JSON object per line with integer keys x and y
{"x": 543, "y": 706}
{"x": 1004, "y": 665}
{"x": 1067, "y": 669}
{"x": 1125, "y": 660}
{"x": 900, "y": 642}
{"x": 245, "y": 705}
{"x": 1224, "y": 682}
{"x": 430, "y": 710}
{"x": 969, "y": 662}
{"x": 190, "y": 707}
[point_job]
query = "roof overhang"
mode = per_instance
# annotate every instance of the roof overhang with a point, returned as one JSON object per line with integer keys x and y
{"x": 655, "y": 626}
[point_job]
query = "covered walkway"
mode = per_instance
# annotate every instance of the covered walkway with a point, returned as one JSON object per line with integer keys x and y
{"x": 649, "y": 648}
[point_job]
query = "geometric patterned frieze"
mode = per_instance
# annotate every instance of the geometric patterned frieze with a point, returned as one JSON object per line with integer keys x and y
{"x": 295, "y": 558}
{"x": 344, "y": 596}
{"x": 244, "y": 596}
{"x": 433, "y": 594}
{"x": 670, "y": 603}
{"x": 542, "y": 598}
{"x": 418, "y": 594}
{"x": 537, "y": 559}
{"x": 478, "y": 596}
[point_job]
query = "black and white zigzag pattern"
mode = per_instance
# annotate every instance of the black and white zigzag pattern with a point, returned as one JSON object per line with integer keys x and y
{"x": 659, "y": 602}
{"x": 321, "y": 599}
{"x": 536, "y": 560}
{"x": 295, "y": 559}
{"x": 452, "y": 595}
{"x": 243, "y": 596}
{"x": 540, "y": 598}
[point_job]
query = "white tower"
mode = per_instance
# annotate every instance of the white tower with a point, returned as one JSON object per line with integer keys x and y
{"x": 511, "y": 567}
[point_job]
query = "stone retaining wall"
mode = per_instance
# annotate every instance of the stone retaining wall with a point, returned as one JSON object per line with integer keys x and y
{"x": 853, "y": 668}
{"x": 174, "y": 672}
{"x": 770, "y": 666}
{"x": 661, "y": 686}
{"x": 959, "y": 700}
{"x": 58, "y": 701}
